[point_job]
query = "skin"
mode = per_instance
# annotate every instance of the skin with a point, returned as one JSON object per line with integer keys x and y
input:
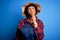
{"x": 32, "y": 11}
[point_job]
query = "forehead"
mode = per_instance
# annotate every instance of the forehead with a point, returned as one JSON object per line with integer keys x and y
{"x": 31, "y": 7}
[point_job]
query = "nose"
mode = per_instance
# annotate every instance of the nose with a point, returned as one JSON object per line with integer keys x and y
{"x": 32, "y": 10}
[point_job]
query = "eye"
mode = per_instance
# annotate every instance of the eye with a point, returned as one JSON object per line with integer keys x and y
{"x": 33, "y": 8}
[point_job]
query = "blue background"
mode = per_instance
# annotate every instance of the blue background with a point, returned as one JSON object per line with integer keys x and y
{"x": 11, "y": 13}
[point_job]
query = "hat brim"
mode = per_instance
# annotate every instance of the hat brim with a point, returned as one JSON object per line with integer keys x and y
{"x": 24, "y": 6}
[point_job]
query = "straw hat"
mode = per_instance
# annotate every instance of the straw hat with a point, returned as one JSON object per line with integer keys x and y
{"x": 24, "y": 6}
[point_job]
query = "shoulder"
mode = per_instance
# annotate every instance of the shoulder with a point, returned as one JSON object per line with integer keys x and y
{"x": 40, "y": 22}
{"x": 21, "y": 23}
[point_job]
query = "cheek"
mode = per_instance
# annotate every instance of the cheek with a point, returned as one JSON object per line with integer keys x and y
{"x": 29, "y": 11}
{"x": 33, "y": 11}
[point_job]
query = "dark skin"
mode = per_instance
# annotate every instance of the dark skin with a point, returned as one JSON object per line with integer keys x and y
{"x": 32, "y": 12}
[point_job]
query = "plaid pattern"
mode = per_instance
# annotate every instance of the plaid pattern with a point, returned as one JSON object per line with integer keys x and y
{"x": 38, "y": 31}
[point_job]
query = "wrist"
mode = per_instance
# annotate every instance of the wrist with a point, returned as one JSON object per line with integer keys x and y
{"x": 35, "y": 25}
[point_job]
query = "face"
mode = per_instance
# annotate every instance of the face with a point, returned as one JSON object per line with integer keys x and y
{"x": 31, "y": 10}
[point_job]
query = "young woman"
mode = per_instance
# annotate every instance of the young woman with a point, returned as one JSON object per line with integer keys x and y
{"x": 30, "y": 28}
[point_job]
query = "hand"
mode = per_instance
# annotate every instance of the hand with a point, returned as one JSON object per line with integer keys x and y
{"x": 34, "y": 21}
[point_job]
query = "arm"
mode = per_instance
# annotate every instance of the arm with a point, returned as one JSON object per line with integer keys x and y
{"x": 18, "y": 32}
{"x": 39, "y": 30}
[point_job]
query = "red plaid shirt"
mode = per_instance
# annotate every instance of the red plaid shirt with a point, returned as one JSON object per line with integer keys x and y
{"x": 38, "y": 31}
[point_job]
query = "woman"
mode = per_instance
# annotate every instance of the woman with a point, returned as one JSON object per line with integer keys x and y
{"x": 30, "y": 28}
